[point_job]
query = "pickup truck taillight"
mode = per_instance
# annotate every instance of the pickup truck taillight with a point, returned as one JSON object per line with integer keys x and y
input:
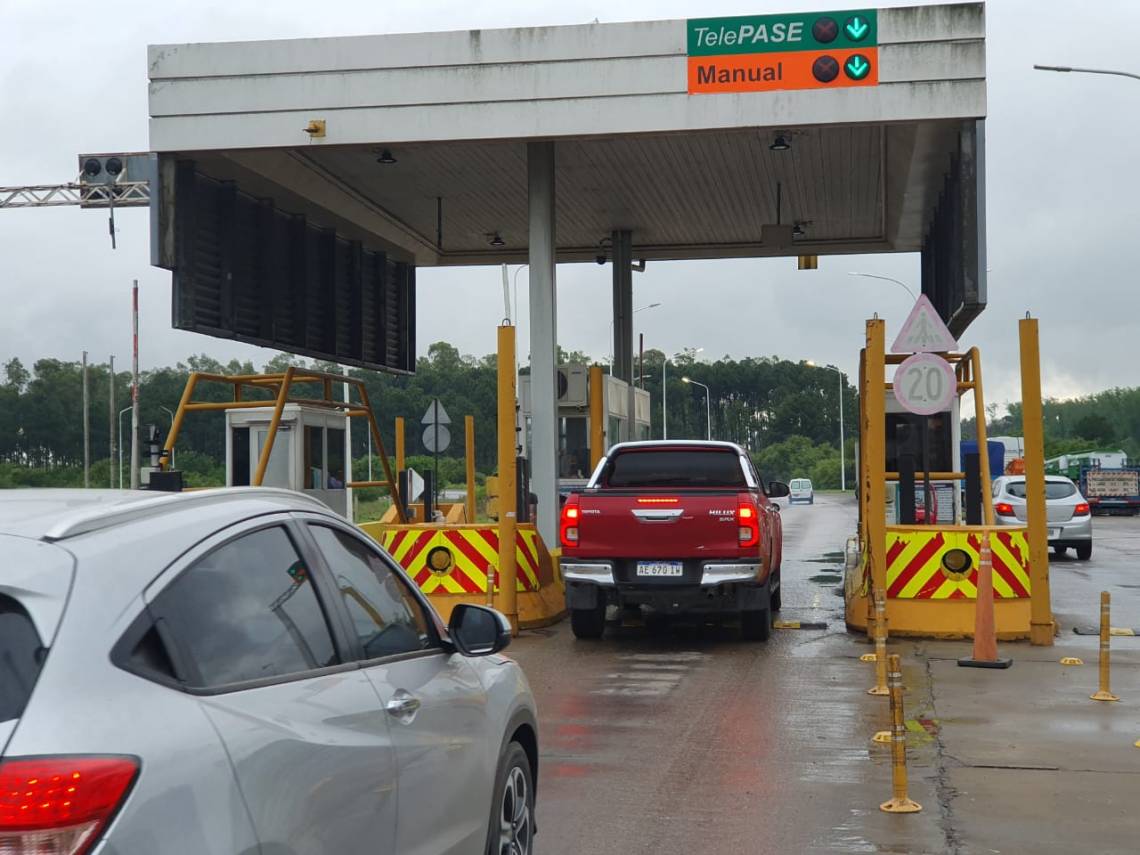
{"x": 1081, "y": 510}
{"x": 748, "y": 523}
{"x": 568, "y": 529}
{"x": 60, "y": 804}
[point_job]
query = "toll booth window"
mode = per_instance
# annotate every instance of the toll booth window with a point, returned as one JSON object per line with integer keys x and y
{"x": 277, "y": 472}
{"x": 314, "y": 457}
{"x": 239, "y": 456}
{"x": 675, "y": 469}
{"x": 336, "y": 459}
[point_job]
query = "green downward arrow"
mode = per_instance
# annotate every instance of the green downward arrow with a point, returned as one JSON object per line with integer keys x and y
{"x": 857, "y": 28}
{"x": 857, "y": 67}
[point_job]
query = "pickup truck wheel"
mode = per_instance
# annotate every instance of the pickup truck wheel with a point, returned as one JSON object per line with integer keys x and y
{"x": 1084, "y": 551}
{"x": 588, "y": 623}
{"x": 756, "y": 625}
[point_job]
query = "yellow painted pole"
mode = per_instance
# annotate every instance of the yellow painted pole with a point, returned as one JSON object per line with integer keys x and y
{"x": 1105, "y": 693}
{"x": 880, "y": 687}
{"x": 389, "y": 475}
{"x": 597, "y": 417}
{"x": 179, "y": 415}
{"x": 875, "y": 454}
{"x": 507, "y": 572}
{"x": 1041, "y": 626}
{"x": 900, "y": 801}
{"x": 278, "y": 409}
{"x": 983, "y": 448}
{"x": 469, "y": 447}
{"x": 400, "y": 467}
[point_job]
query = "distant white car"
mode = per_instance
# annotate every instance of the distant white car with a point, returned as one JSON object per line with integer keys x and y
{"x": 801, "y": 491}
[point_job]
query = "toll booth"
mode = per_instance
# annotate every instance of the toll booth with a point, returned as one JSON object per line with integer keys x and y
{"x": 310, "y": 453}
{"x": 574, "y": 417}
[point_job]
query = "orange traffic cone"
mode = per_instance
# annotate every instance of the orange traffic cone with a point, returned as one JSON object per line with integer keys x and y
{"x": 985, "y": 636}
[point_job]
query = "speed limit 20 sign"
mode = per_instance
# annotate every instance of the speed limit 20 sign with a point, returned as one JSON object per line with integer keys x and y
{"x": 925, "y": 384}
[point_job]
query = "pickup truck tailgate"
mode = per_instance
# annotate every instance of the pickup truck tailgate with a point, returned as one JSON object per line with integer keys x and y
{"x": 688, "y": 524}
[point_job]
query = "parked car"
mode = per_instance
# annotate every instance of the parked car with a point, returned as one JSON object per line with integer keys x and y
{"x": 801, "y": 491}
{"x": 676, "y": 526}
{"x": 239, "y": 670}
{"x": 1068, "y": 513}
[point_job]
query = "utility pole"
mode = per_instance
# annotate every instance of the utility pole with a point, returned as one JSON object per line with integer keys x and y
{"x": 86, "y": 429}
{"x": 135, "y": 387}
{"x": 111, "y": 423}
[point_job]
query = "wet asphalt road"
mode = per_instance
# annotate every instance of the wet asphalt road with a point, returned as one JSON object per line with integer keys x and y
{"x": 685, "y": 739}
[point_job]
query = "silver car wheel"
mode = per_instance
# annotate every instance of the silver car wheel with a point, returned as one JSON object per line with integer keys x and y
{"x": 514, "y": 817}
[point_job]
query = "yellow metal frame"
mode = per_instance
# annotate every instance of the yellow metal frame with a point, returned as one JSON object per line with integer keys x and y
{"x": 279, "y": 386}
{"x": 873, "y": 478}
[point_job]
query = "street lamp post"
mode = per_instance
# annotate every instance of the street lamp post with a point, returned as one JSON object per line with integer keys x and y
{"x": 898, "y": 282}
{"x": 171, "y": 414}
{"x": 708, "y": 404}
{"x": 634, "y": 312}
{"x": 122, "y": 413}
{"x": 1067, "y": 69}
{"x": 842, "y": 455}
{"x": 665, "y": 389}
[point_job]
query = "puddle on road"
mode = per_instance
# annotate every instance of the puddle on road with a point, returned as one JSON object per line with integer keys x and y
{"x": 826, "y": 578}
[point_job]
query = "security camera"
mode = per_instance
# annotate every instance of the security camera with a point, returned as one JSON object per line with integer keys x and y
{"x": 601, "y": 259}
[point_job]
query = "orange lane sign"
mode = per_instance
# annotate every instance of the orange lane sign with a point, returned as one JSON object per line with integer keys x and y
{"x": 770, "y": 72}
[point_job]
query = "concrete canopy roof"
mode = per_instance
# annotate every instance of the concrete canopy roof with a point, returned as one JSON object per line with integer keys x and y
{"x": 691, "y": 175}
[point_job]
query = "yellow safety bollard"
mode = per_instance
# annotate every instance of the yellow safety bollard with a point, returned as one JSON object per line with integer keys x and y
{"x": 900, "y": 802}
{"x": 1104, "y": 694}
{"x": 880, "y": 687}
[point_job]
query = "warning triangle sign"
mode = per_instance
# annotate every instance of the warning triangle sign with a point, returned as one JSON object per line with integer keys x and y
{"x": 924, "y": 331}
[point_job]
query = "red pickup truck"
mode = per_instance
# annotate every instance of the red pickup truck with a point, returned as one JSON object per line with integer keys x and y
{"x": 676, "y": 526}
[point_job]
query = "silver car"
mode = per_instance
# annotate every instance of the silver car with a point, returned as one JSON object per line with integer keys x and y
{"x": 1067, "y": 511}
{"x": 241, "y": 671}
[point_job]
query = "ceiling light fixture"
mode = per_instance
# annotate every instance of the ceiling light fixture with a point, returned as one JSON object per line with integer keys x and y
{"x": 780, "y": 143}
{"x": 497, "y": 240}
{"x": 386, "y": 157}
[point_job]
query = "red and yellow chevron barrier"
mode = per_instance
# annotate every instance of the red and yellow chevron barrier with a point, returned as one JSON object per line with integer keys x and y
{"x": 450, "y": 563}
{"x": 915, "y": 570}
{"x": 456, "y": 560}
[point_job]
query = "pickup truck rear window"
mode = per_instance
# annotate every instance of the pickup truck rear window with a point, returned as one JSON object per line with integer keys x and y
{"x": 21, "y": 656}
{"x": 675, "y": 469}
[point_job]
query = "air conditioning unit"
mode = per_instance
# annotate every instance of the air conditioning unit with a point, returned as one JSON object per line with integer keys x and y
{"x": 573, "y": 386}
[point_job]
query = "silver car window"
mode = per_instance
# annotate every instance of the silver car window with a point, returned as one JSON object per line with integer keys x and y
{"x": 21, "y": 656}
{"x": 248, "y": 611}
{"x": 385, "y": 617}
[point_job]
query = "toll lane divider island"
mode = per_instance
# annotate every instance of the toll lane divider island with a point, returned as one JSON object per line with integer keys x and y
{"x": 760, "y": 53}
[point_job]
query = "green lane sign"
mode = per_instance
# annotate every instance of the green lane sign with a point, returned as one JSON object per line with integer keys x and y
{"x": 806, "y": 31}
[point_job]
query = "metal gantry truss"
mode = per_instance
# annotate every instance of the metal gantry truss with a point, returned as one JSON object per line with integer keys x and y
{"x": 123, "y": 194}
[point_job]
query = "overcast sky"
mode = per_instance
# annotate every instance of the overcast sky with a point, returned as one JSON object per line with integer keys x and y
{"x": 1062, "y": 189}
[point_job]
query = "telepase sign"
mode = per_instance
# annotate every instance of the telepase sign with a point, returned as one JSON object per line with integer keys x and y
{"x": 758, "y": 53}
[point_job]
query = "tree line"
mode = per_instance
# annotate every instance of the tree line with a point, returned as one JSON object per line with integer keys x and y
{"x": 786, "y": 413}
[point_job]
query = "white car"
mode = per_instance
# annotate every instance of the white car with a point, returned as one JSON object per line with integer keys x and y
{"x": 240, "y": 670}
{"x": 1067, "y": 511}
{"x": 801, "y": 491}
